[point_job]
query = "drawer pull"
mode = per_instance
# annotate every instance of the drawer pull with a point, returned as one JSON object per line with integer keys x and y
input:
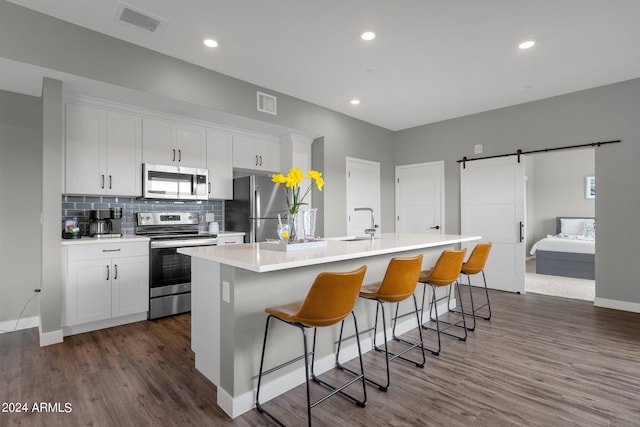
{"x": 111, "y": 250}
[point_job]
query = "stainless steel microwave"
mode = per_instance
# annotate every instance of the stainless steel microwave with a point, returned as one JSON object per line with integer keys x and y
{"x": 174, "y": 182}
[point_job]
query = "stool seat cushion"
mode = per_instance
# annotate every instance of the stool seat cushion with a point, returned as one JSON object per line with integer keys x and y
{"x": 286, "y": 311}
{"x": 331, "y": 298}
{"x": 446, "y": 270}
{"x": 477, "y": 260}
{"x": 424, "y": 276}
{"x": 373, "y": 291}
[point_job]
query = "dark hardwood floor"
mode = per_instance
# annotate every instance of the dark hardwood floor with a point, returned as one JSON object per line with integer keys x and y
{"x": 540, "y": 361}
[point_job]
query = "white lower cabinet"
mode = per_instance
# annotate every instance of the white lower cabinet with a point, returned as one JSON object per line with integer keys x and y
{"x": 105, "y": 281}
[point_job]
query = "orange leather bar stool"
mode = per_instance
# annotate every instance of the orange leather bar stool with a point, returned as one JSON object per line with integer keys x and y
{"x": 444, "y": 273}
{"x": 398, "y": 284}
{"x": 475, "y": 265}
{"x": 330, "y": 300}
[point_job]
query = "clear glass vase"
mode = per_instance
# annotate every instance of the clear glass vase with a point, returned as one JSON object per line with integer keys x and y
{"x": 296, "y": 227}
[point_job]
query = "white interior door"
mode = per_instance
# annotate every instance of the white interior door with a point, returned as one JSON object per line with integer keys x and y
{"x": 363, "y": 191}
{"x": 420, "y": 198}
{"x": 492, "y": 202}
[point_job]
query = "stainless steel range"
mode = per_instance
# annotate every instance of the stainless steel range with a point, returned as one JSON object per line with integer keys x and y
{"x": 169, "y": 271}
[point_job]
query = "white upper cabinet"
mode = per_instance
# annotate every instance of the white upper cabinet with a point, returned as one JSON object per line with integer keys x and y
{"x": 166, "y": 142}
{"x": 251, "y": 152}
{"x": 103, "y": 151}
{"x": 219, "y": 164}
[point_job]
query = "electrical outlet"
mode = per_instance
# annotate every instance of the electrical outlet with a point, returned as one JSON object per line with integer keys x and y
{"x": 225, "y": 292}
{"x": 209, "y": 217}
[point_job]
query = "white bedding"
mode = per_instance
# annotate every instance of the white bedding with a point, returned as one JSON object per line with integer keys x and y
{"x": 575, "y": 244}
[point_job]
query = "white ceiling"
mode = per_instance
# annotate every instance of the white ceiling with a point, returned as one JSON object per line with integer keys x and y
{"x": 431, "y": 60}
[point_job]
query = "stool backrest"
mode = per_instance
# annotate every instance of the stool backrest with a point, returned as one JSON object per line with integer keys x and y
{"x": 400, "y": 279}
{"x": 331, "y": 298}
{"x": 447, "y": 268}
{"x": 477, "y": 260}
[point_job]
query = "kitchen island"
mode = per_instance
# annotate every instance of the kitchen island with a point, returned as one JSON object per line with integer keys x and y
{"x": 232, "y": 285}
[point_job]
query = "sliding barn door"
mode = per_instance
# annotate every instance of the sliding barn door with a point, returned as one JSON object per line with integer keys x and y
{"x": 492, "y": 202}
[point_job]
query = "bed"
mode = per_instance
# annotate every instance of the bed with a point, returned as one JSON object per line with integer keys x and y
{"x": 569, "y": 253}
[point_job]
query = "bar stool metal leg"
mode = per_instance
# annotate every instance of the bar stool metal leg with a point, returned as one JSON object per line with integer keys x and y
{"x": 389, "y": 356}
{"x": 309, "y": 371}
{"x": 462, "y": 323}
{"x": 357, "y": 375}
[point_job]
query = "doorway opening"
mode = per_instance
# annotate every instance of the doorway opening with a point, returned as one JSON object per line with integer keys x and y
{"x": 556, "y": 186}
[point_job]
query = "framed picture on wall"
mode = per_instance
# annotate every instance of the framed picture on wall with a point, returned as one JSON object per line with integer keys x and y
{"x": 590, "y": 187}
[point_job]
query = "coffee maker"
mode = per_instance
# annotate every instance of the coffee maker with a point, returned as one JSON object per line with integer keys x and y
{"x": 105, "y": 222}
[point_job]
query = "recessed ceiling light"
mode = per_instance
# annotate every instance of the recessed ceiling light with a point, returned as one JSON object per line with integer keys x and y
{"x": 368, "y": 35}
{"x": 527, "y": 44}
{"x": 210, "y": 43}
{"x": 355, "y": 101}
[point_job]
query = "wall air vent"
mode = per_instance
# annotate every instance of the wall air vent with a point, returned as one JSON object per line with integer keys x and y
{"x": 267, "y": 103}
{"x": 139, "y": 18}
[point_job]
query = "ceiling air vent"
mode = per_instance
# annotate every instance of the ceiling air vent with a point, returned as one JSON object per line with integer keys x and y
{"x": 267, "y": 103}
{"x": 139, "y": 18}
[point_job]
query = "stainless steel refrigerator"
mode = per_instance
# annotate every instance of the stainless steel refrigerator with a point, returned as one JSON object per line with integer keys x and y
{"x": 256, "y": 203}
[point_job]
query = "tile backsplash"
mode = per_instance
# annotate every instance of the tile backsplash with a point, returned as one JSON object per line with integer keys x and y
{"x": 78, "y": 207}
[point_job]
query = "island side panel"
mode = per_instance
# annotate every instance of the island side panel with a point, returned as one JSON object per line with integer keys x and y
{"x": 205, "y": 317}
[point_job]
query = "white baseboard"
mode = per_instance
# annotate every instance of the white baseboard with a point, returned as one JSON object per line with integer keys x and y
{"x": 24, "y": 323}
{"x": 617, "y": 305}
{"x": 236, "y": 406}
{"x": 103, "y": 324}
{"x": 49, "y": 338}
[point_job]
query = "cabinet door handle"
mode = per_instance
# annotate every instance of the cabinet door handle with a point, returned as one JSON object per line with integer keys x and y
{"x": 256, "y": 160}
{"x": 260, "y": 160}
{"x": 115, "y": 272}
{"x": 174, "y": 155}
{"x": 209, "y": 187}
{"x": 107, "y": 272}
{"x": 102, "y": 181}
{"x": 179, "y": 155}
{"x": 110, "y": 182}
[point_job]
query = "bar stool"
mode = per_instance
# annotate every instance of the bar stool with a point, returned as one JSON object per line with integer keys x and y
{"x": 444, "y": 273}
{"x": 474, "y": 265}
{"x": 330, "y": 300}
{"x": 398, "y": 284}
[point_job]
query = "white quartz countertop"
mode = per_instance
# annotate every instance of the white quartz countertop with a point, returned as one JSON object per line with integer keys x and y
{"x": 250, "y": 256}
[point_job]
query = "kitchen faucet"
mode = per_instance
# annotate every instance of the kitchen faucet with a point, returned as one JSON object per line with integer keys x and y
{"x": 372, "y": 230}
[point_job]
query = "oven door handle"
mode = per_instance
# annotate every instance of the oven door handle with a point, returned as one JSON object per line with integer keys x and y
{"x": 181, "y": 243}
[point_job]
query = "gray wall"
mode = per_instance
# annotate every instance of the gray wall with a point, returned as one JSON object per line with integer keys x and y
{"x": 599, "y": 114}
{"x": 20, "y": 202}
{"x": 556, "y": 187}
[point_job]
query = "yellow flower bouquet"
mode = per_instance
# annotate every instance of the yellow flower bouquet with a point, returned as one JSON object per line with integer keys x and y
{"x": 292, "y": 187}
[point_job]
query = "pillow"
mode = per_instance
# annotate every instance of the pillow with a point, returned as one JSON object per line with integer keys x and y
{"x": 590, "y": 229}
{"x": 574, "y": 226}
